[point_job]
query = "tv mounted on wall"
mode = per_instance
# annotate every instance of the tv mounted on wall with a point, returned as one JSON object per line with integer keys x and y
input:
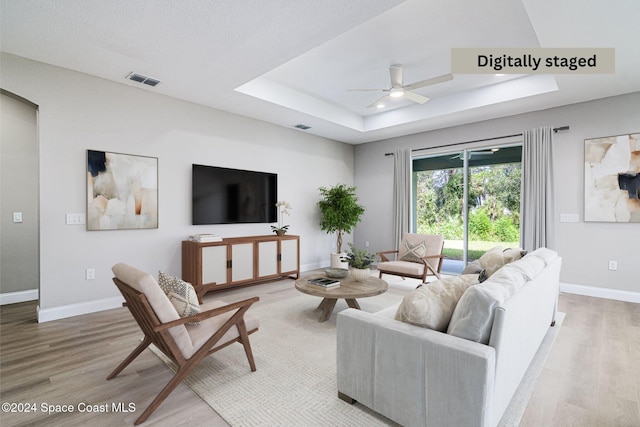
{"x": 230, "y": 196}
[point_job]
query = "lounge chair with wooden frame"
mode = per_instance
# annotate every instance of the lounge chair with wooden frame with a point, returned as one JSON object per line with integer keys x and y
{"x": 419, "y": 256}
{"x": 187, "y": 340}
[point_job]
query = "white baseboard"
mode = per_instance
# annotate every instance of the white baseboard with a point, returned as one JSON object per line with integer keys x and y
{"x": 62, "y": 312}
{"x": 592, "y": 291}
{"x": 20, "y": 296}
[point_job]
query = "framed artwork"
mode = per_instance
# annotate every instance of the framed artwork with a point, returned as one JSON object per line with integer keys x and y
{"x": 612, "y": 178}
{"x": 122, "y": 191}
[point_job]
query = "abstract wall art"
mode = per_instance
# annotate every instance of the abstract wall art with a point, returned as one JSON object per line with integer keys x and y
{"x": 612, "y": 178}
{"x": 122, "y": 191}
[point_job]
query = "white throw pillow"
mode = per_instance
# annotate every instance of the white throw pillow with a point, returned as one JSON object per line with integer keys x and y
{"x": 473, "y": 316}
{"x": 432, "y": 304}
{"x": 181, "y": 294}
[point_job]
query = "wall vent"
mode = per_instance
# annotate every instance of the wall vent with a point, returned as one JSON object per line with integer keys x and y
{"x": 301, "y": 126}
{"x": 143, "y": 79}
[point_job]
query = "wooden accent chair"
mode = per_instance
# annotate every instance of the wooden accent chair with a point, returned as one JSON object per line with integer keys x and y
{"x": 180, "y": 339}
{"x": 419, "y": 255}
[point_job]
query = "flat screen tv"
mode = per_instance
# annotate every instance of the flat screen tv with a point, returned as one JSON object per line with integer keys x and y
{"x": 230, "y": 196}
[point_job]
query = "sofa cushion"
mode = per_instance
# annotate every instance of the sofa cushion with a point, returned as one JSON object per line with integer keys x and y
{"x": 181, "y": 294}
{"x": 529, "y": 266}
{"x": 432, "y": 304}
{"x": 546, "y": 254}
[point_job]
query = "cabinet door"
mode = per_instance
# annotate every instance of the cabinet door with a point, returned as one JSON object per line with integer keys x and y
{"x": 214, "y": 265}
{"x": 242, "y": 262}
{"x": 268, "y": 258}
{"x": 289, "y": 253}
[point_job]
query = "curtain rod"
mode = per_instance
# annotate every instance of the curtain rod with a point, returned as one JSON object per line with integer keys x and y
{"x": 555, "y": 130}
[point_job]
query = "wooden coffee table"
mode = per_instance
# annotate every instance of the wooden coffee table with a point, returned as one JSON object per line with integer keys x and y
{"x": 348, "y": 290}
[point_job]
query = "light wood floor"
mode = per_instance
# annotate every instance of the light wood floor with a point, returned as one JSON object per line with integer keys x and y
{"x": 592, "y": 377}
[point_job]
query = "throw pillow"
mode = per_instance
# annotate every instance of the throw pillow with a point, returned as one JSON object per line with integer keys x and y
{"x": 473, "y": 316}
{"x": 432, "y": 304}
{"x": 412, "y": 251}
{"x": 473, "y": 267}
{"x": 181, "y": 294}
{"x": 495, "y": 258}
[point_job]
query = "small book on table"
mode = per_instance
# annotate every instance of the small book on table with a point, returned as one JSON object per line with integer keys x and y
{"x": 324, "y": 282}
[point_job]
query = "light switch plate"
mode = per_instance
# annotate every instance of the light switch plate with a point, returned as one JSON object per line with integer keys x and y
{"x": 75, "y": 218}
{"x": 17, "y": 217}
{"x": 569, "y": 218}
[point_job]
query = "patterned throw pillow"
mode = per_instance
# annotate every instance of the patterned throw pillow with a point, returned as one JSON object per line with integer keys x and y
{"x": 181, "y": 294}
{"x": 432, "y": 304}
{"x": 496, "y": 258}
{"x": 412, "y": 251}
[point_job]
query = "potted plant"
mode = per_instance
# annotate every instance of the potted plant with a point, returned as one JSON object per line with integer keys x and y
{"x": 360, "y": 261}
{"x": 283, "y": 209}
{"x": 339, "y": 213}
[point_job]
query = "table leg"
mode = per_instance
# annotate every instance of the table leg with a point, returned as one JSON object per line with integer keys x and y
{"x": 326, "y": 306}
{"x": 353, "y": 303}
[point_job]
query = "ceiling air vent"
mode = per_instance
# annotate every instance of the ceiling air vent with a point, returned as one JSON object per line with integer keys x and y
{"x": 143, "y": 79}
{"x": 301, "y": 126}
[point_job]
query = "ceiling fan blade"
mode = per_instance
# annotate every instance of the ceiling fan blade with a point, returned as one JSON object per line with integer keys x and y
{"x": 367, "y": 90}
{"x": 415, "y": 97}
{"x": 379, "y": 101}
{"x": 395, "y": 72}
{"x": 428, "y": 82}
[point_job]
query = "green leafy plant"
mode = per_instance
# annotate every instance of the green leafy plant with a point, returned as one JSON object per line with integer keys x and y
{"x": 339, "y": 211}
{"x": 359, "y": 258}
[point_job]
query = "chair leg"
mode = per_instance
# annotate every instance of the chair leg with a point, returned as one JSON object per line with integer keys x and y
{"x": 244, "y": 339}
{"x": 166, "y": 391}
{"x": 135, "y": 353}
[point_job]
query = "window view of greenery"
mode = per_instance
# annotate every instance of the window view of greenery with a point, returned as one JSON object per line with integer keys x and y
{"x": 494, "y": 207}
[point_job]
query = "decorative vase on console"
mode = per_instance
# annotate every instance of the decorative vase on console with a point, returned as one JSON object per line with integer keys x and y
{"x": 360, "y": 262}
{"x": 283, "y": 209}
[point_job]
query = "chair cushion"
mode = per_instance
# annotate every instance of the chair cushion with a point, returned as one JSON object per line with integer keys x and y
{"x": 166, "y": 312}
{"x": 432, "y": 304}
{"x": 181, "y": 294}
{"x": 199, "y": 334}
{"x": 402, "y": 267}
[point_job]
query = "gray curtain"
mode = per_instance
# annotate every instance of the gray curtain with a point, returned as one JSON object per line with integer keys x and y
{"x": 401, "y": 194}
{"x": 536, "y": 209}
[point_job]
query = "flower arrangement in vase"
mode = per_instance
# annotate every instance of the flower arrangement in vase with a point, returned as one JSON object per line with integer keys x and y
{"x": 283, "y": 209}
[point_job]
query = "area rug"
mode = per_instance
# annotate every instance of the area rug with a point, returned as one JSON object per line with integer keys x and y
{"x": 295, "y": 381}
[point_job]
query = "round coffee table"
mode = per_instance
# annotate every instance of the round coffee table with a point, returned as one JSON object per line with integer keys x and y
{"x": 348, "y": 290}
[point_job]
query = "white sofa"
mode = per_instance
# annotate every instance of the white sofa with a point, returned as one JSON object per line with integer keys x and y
{"x": 421, "y": 377}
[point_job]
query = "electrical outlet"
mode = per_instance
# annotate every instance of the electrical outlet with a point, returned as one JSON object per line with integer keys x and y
{"x": 90, "y": 274}
{"x": 366, "y": 243}
{"x": 17, "y": 217}
{"x": 613, "y": 265}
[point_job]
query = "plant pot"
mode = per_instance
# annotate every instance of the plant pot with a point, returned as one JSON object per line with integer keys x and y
{"x": 280, "y": 232}
{"x": 336, "y": 262}
{"x": 360, "y": 274}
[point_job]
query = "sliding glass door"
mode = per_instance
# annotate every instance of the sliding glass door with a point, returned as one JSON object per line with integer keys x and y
{"x": 472, "y": 197}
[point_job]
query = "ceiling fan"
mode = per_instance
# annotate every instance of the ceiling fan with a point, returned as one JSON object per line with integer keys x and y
{"x": 400, "y": 90}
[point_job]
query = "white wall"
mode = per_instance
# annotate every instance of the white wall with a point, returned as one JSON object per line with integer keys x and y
{"x": 18, "y": 193}
{"x": 79, "y": 112}
{"x": 586, "y": 247}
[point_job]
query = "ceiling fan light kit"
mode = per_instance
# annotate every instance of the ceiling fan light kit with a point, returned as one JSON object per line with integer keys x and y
{"x": 400, "y": 90}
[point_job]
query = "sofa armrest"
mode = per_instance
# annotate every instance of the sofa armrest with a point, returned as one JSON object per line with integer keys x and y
{"x": 412, "y": 375}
